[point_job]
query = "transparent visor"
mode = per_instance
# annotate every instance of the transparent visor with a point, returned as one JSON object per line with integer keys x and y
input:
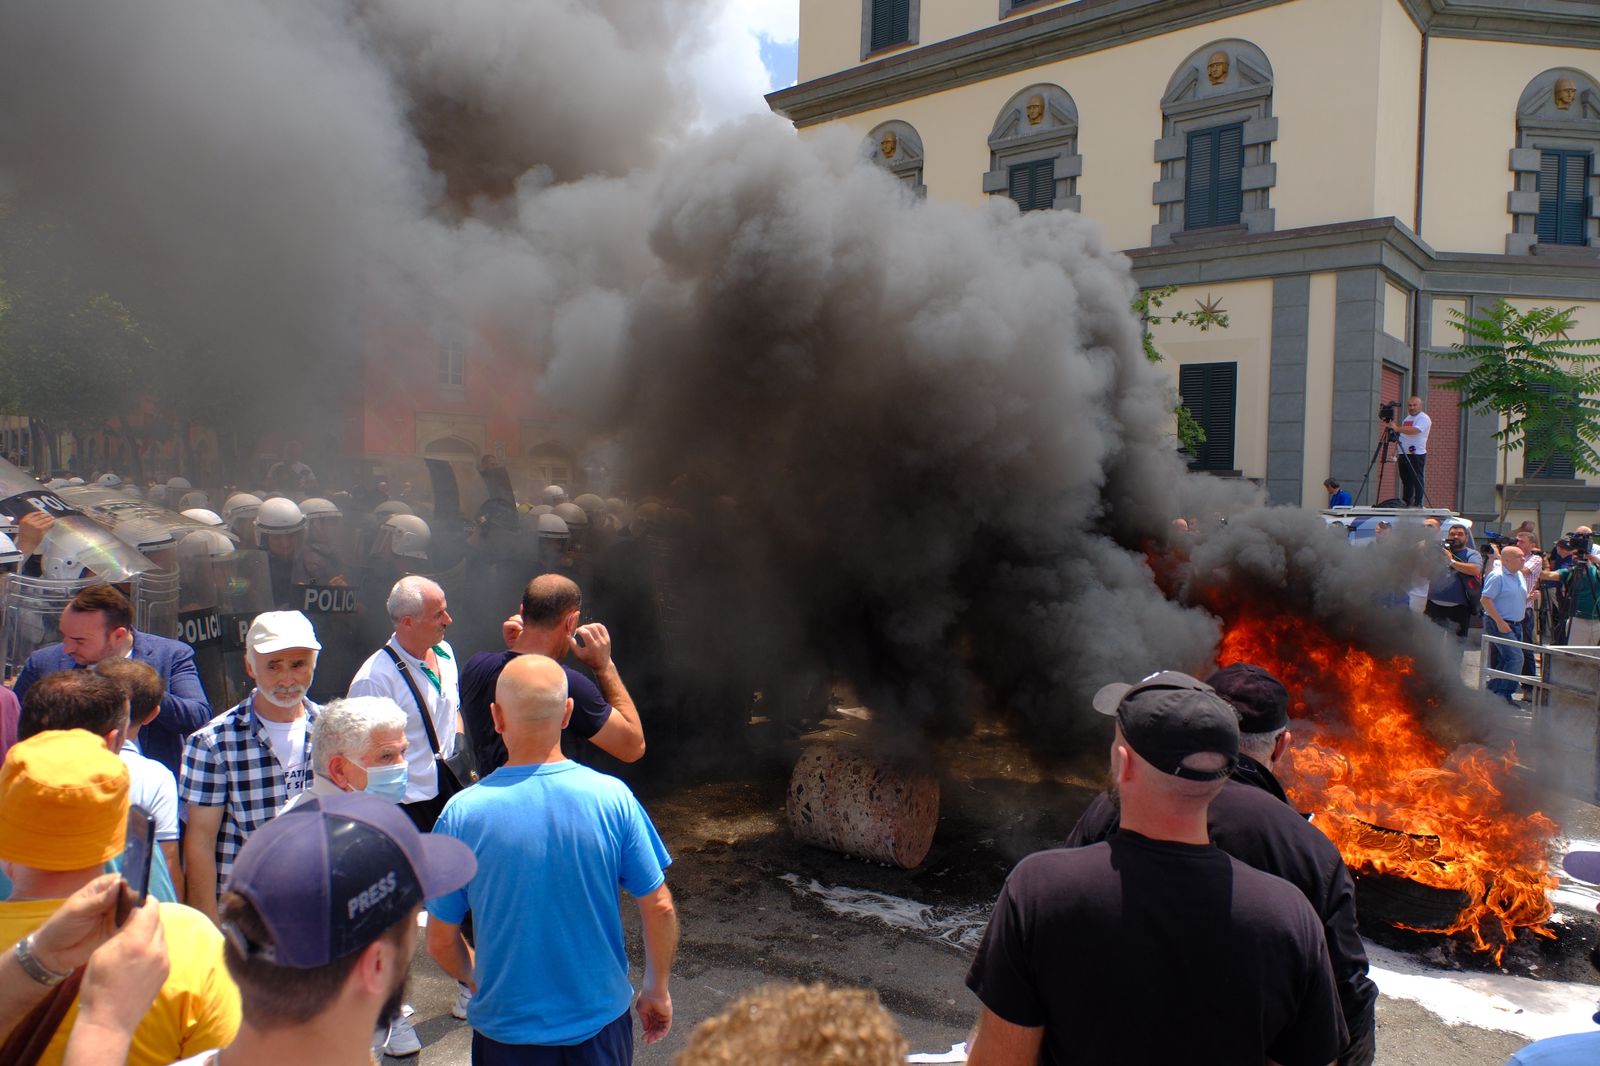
{"x": 75, "y": 543}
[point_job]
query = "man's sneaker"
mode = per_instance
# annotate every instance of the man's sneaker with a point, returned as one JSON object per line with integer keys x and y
{"x": 463, "y": 999}
{"x": 403, "y": 1039}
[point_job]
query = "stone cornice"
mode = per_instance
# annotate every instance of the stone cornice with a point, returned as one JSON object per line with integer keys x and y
{"x": 1092, "y": 25}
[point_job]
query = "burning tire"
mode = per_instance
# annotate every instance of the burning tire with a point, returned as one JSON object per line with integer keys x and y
{"x": 1398, "y": 901}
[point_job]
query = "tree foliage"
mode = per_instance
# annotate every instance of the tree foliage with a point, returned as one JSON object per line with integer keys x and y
{"x": 1544, "y": 384}
{"x": 1147, "y": 306}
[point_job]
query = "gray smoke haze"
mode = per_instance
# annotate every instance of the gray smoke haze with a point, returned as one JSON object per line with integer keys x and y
{"x": 947, "y": 451}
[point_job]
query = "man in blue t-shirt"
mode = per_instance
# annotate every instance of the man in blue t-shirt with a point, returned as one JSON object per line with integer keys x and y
{"x": 1505, "y": 598}
{"x": 553, "y": 840}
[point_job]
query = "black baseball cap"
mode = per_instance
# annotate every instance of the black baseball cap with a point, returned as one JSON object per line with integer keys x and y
{"x": 332, "y": 874}
{"x": 1260, "y": 698}
{"x": 1170, "y": 716}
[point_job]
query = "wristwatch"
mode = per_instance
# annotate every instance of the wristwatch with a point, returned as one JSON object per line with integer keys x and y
{"x": 33, "y": 967}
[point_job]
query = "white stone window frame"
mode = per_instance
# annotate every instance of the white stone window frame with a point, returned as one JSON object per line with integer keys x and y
{"x": 1012, "y": 141}
{"x": 908, "y": 156}
{"x": 1541, "y": 126}
{"x": 1191, "y": 103}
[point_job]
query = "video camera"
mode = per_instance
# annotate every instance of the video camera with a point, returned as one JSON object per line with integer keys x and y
{"x": 1387, "y": 412}
{"x": 1578, "y": 543}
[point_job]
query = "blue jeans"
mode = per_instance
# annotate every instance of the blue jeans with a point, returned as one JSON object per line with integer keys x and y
{"x": 1504, "y": 658}
{"x": 611, "y": 1046}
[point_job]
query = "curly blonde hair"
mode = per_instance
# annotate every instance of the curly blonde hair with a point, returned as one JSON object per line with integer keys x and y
{"x": 811, "y": 1025}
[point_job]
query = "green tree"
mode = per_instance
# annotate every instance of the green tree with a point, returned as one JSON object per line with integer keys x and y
{"x": 1542, "y": 383}
{"x": 1147, "y": 306}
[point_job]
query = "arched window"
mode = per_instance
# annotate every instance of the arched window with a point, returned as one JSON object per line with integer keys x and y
{"x": 1215, "y": 150}
{"x": 450, "y": 448}
{"x": 1552, "y": 202}
{"x": 897, "y": 147}
{"x": 1033, "y": 150}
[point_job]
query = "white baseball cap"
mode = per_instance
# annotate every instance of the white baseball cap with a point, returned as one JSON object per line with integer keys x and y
{"x": 276, "y": 630}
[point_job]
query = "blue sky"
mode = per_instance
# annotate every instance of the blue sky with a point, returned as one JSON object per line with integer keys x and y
{"x": 780, "y": 60}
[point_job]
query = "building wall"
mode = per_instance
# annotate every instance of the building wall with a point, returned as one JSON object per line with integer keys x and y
{"x": 1247, "y": 341}
{"x": 1473, "y": 88}
{"x": 1327, "y": 158}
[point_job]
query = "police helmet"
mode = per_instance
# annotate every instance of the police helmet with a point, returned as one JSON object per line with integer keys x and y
{"x": 539, "y": 509}
{"x": 280, "y": 515}
{"x": 205, "y": 517}
{"x": 551, "y": 527}
{"x": 9, "y": 555}
{"x": 317, "y": 507}
{"x": 573, "y": 515}
{"x": 409, "y": 536}
{"x": 74, "y": 481}
{"x": 240, "y": 505}
{"x": 591, "y": 504}
{"x": 194, "y": 499}
{"x": 109, "y": 481}
{"x": 393, "y": 507}
{"x": 554, "y": 494}
{"x": 179, "y": 484}
{"x": 204, "y": 543}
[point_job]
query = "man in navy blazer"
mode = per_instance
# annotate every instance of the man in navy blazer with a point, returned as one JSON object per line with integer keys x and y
{"x": 98, "y": 624}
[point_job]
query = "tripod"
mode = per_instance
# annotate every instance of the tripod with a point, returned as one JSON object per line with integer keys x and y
{"x": 1380, "y": 459}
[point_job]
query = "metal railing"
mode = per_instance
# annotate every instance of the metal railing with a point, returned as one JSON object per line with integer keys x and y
{"x": 1560, "y": 716}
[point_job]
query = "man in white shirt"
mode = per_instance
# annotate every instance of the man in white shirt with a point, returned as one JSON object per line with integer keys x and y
{"x": 1413, "y": 459}
{"x": 420, "y": 615}
{"x": 150, "y": 784}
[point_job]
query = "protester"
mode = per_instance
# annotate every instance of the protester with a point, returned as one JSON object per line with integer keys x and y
{"x": 1253, "y": 820}
{"x": 63, "y": 814}
{"x": 417, "y": 670}
{"x": 87, "y": 700}
{"x": 587, "y": 835}
{"x": 795, "y": 1025}
{"x": 151, "y": 785}
{"x": 1155, "y": 945}
{"x": 241, "y": 769}
{"x": 1505, "y": 599}
{"x": 98, "y": 624}
{"x": 1575, "y": 1049}
{"x": 125, "y": 968}
{"x": 359, "y": 745}
{"x": 321, "y": 924}
{"x": 548, "y": 624}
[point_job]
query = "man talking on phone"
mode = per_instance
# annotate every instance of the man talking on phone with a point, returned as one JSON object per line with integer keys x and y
{"x": 63, "y": 815}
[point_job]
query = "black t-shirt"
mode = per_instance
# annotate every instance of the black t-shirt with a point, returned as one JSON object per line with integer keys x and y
{"x": 1255, "y": 827}
{"x": 1146, "y": 951}
{"x": 478, "y": 678}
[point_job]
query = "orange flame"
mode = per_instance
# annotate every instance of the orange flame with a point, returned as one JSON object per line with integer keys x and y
{"x": 1368, "y": 768}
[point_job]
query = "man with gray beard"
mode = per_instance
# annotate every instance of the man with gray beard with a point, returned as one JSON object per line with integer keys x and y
{"x": 243, "y": 766}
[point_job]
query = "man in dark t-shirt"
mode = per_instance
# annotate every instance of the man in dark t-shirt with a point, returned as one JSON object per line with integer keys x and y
{"x": 547, "y": 624}
{"x": 1155, "y": 946}
{"x": 1252, "y": 820}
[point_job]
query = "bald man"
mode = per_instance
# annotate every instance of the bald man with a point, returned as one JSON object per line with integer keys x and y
{"x": 554, "y": 841}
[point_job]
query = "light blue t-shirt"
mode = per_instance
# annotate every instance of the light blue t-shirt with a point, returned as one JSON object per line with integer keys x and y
{"x": 1578, "y": 1049}
{"x": 553, "y": 842}
{"x": 1508, "y": 593}
{"x": 161, "y": 886}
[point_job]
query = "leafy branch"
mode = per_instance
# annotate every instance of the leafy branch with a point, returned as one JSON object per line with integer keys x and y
{"x": 1147, "y": 306}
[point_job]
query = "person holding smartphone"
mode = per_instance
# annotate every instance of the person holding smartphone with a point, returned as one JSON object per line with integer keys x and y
{"x": 63, "y": 815}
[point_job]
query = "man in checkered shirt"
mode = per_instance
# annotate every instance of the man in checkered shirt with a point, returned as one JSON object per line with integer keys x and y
{"x": 241, "y": 767}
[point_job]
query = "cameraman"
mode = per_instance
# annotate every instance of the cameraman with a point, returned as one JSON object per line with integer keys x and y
{"x": 1448, "y": 602}
{"x": 1582, "y": 585}
{"x": 1412, "y": 436}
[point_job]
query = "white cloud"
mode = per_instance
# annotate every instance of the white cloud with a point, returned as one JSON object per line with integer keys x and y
{"x": 724, "y": 61}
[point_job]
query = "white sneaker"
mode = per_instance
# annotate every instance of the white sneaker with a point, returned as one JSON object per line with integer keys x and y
{"x": 463, "y": 1000}
{"x": 403, "y": 1039}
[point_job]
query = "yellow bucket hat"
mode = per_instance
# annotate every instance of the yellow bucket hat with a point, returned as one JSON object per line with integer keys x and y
{"x": 63, "y": 802}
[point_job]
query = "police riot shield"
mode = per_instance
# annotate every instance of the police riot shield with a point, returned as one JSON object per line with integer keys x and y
{"x": 155, "y": 602}
{"x": 199, "y": 618}
{"x": 244, "y": 590}
{"x": 336, "y": 615}
{"x": 76, "y": 553}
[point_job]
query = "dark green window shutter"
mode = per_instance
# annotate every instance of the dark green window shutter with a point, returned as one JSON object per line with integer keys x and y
{"x": 1541, "y": 460}
{"x": 1563, "y": 185}
{"x": 1210, "y": 392}
{"x": 1213, "y": 192}
{"x": 1033, "y": 185}
{"x": 891, "y": 22}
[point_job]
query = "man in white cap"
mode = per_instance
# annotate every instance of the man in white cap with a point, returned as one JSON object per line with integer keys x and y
{"x": 244, "y": 765}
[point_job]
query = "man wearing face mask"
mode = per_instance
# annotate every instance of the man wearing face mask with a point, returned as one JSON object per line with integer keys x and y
{"x": 243, "y": 766}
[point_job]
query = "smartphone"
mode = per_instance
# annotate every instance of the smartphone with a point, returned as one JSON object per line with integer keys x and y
{"x": 136, "y": 860}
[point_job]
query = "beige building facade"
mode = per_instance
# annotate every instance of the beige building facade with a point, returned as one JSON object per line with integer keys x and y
{"x": 1335, "y": 174}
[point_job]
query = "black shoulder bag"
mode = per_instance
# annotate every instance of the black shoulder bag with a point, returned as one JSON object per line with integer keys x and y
{"x": 456, "y": 772}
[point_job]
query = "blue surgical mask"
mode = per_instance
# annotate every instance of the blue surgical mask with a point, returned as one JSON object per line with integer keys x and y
{"x": 387, "y": 782}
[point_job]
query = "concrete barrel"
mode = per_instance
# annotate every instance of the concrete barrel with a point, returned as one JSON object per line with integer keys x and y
{"x": 846, "y": 800}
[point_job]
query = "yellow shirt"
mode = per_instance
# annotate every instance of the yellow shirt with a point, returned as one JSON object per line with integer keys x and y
{"x": 197, "y": 1008}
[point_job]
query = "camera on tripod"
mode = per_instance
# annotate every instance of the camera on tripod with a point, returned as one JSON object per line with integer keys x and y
{"x": 1387, "y": 413}
{"x": 1578, "y": 543}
